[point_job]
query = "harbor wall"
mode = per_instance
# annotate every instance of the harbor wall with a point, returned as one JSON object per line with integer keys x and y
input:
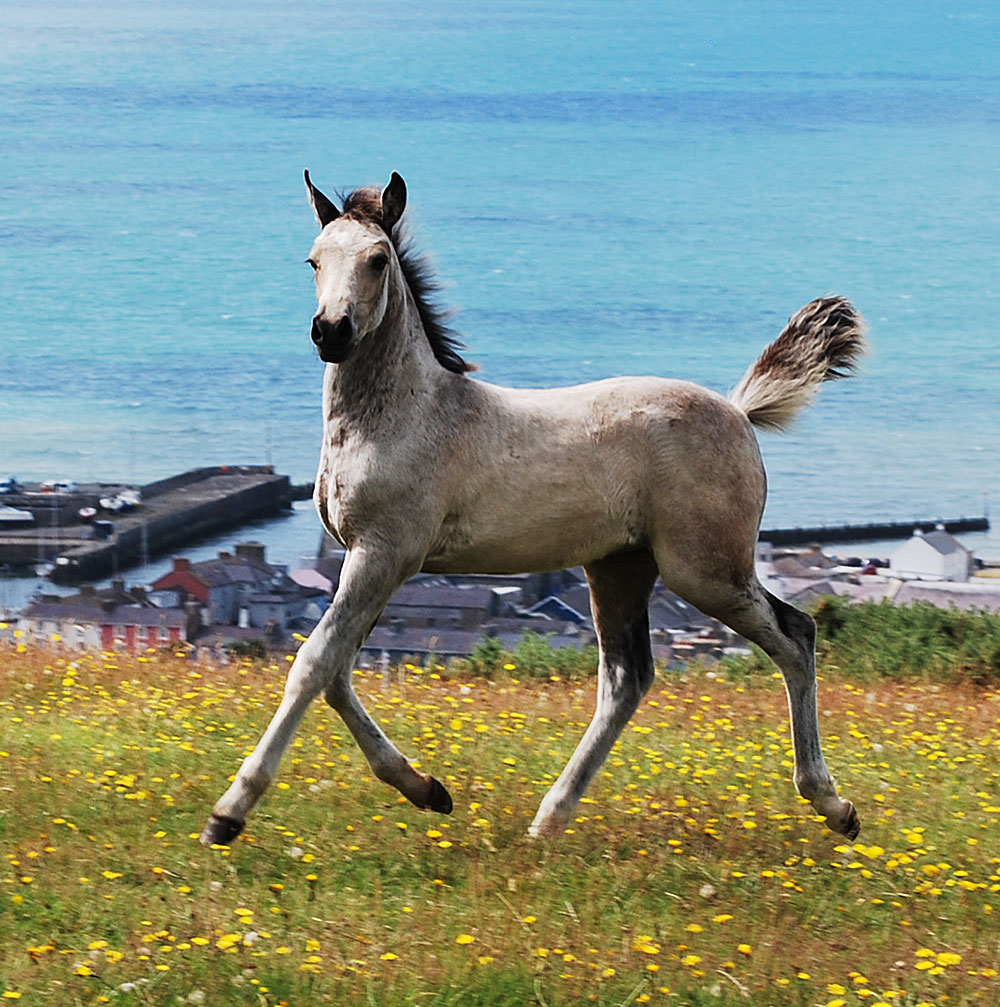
{"x": 173, "y": 512}
{"x": 872, "y": 532}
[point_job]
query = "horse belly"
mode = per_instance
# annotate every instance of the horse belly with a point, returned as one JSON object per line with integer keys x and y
{"x": 533, "y": 531}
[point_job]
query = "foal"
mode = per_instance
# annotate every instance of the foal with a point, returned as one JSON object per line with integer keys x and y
{"x": 422, "y": 468}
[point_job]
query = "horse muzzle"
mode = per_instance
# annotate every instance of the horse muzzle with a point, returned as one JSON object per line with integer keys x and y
{"x": 334, "y": 340}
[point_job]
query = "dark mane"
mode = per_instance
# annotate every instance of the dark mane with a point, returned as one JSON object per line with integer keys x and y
{"x": 366, "y": 204}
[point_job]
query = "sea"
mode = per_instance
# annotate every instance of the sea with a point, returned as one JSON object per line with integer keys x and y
{"x": 604, "y": 188}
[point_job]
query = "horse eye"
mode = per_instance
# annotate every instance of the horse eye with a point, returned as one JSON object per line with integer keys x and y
{"x": 379, "y": 262}
{"x": 313, "y": 263}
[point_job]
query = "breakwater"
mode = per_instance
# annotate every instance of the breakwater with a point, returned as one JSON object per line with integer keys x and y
{"x": 871, "y": 532}
{"x": 171, "y": 513}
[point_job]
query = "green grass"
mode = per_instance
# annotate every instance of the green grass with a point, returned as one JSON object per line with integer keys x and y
{"x": 693, "y": 874}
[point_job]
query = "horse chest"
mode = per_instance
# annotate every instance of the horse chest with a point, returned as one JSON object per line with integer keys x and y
{"x": 347, "y": 483}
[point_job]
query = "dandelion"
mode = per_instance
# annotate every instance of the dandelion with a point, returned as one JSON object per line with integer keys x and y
{"x": 464, "y": 939}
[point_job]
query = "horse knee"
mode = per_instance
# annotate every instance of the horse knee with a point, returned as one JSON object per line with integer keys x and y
{"x": 337, "y": 691}
{"x": 304, "y": 679}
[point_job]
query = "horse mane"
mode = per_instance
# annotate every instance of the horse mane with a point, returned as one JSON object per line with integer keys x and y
{"x": 366, "y": 204}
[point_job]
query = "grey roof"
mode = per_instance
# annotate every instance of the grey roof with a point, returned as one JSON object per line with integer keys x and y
{"x": 945, "y": 594}
{"x": 668, "y": 611}
{"x": 219, "y": 572}
{"x": 945, "y": 543}
{"x": 241, "y": 570}
{"x": 276, "y": 598}
{"x": 555, "y": 608}
{"x": 72, "y": 610}
{"x": 409, "y": 640}
{"x": 804, "y": 591}
{"x": 419, "y": 596}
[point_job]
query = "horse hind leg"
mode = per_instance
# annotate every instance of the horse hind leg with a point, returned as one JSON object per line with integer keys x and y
{"x": 620, "y": 586}
{"x": 795, "y": 654}
{"x": 788, "y": 637}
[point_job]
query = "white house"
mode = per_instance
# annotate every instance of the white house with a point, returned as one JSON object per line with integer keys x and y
{"x": 933, "y": 555}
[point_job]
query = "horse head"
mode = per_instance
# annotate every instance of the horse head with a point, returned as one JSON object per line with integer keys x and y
{"x": 353, "y": 258}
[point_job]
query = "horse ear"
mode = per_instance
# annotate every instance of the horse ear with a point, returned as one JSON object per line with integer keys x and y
{"x": 323, "y": 208}
{"x": 393, "y": 202}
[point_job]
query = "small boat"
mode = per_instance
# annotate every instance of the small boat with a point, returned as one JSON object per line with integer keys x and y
{"x": 87, "y": 513}
{"x": 10, "y": 516}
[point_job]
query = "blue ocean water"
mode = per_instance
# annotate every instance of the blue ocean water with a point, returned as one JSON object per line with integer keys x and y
{"x": 606, "y": 188}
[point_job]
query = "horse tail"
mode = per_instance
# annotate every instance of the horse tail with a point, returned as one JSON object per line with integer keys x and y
{"x": 821, "y": 342}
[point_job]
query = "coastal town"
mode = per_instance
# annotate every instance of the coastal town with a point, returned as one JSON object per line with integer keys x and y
{"x": 240, "y": 603}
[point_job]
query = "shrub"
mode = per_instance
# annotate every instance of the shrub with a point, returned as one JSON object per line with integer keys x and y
{"x": 917, "y": 640}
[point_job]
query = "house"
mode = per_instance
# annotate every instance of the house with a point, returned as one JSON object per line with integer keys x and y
{"x": 240, "y": 589}
{"x": 933, "y": 555}
{"x": 670, "y": 614}
{"x": 398, "y": 643}
{"x": 555, "y": 607}
{"x": 431, "y": 606}
{"x": 112, "y": 619}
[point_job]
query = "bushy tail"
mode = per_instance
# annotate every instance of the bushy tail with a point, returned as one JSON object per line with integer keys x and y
{"x": 821, "y": 342}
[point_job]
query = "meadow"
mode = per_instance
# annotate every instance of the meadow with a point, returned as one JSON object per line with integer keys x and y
{"x": 692, "y": 875}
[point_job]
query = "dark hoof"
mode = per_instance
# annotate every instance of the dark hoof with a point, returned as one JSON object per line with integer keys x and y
{"x": 849, "y": 824}
{"x": 220, "y": 831}
{"x": 853, "y": 825}
{"x": 440, "y": 799}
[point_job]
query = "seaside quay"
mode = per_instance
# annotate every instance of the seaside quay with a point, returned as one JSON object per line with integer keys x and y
{"x": 88, "y": 531}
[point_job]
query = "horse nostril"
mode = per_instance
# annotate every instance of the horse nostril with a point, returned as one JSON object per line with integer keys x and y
{"x": 334, "y": 339}
{"x": 342, "y": 329}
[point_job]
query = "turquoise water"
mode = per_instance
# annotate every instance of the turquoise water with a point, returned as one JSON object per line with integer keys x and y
{"x": 613, "y": 188}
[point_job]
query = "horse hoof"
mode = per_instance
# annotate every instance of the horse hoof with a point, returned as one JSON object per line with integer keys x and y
{"x": 546, "y": 828}
{"x": 220, "y": 830}
{"x": 849, "y": 824}
{"x": 440, "y": 800}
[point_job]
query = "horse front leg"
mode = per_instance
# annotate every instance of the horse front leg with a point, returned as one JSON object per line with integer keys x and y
{"x": 324, "y": 663}
{"x": 386, "y": 761}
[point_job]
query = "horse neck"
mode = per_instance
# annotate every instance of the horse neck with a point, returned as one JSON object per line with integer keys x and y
{"x": 394, "y": 363}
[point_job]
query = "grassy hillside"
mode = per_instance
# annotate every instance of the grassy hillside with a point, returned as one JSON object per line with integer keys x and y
{"x": 693, "y": 874}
